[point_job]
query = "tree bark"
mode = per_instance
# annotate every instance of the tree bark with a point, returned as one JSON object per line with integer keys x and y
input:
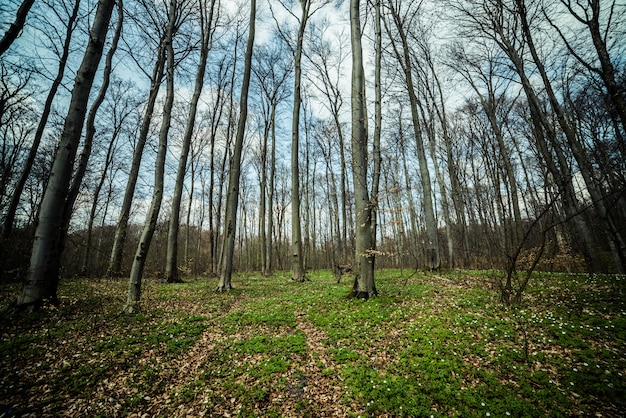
{"x": 235, "y": 166}
{"x": 171, "y": 262}
{"x": 433, "y": 259}
{"x": 297, "y": 265}
{"x": 41, "y": 283}
{"x": 114, "y": 268}
{"x": 139, "y": 262}
{"x": 364, "y": 252}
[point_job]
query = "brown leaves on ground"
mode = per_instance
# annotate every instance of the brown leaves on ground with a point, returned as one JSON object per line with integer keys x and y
{"x": 193, "y": 352}
{"x": 86, "y": 359}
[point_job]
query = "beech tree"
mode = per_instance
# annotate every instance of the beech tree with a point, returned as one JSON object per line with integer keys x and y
{"x": 327, "y": 58}
{"x": 16, "y": 196}
{"x": 175, "y": 12}
{"x": 156, "y": 77}
{"x": 364, "y": 286}
{"x": 271, "y": 68}
{"x": 402, "y": 21}
{"x": 207, "y": 11}
{"x": 41, "y": 283}
{"x": 230, "y": 223}
{"x": 308, "y": 8}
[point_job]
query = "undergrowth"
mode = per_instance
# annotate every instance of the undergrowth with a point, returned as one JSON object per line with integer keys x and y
{"x": 429, "y": 345}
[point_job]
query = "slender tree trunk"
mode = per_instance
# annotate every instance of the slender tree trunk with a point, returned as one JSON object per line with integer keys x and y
{"x": 114, "y": 268}
{"x": 378, "y": 121}
{"x": 84, "y": 271}
{"x": 14, "y": 30}
{"x": 263, "y": 197}
{"x": 584, "y": 235}
{"x": 187, "y": 256}
{"x": 364, "y": 281}
{"x": 216, "y": 115}
{"x": 41, "y": 283}
{"x": 90, "y": 133}
{"x": 139, "y": 262}
{"x": 171, "y": 262}
{"x": 270, "y": 196}
{"x": 432, "y": 246}
{"x": 298, "y": 271}
{"x": 235, "y": 166}
{"x": 34, "y": 148}
{"x": 222, "y": 180}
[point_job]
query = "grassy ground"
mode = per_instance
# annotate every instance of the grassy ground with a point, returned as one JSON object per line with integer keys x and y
{"x": 429, "y": 345}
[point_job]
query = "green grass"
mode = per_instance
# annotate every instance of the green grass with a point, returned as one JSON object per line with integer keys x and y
{"x": 430, "y": 344}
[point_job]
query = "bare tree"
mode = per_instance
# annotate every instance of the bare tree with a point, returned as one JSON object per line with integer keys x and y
{"x": 139, "y": 261}
{"x": 271, "y": 70}
{"x": 43, "y": 121}
{"x": 121, "y": 107}
{"x": 206, "y": 23}
{"x": 601, "y": 19}
{"x": 156, "y": 77}
{"x": 235, "y": 166}
{"x": 14, "y": 30}
{"x": 308, "y": 8}
{"x": 42, "y": 283}
{"x": 327, "y": 57}
{"x": 402, "y": 23}
{"x": 364, "y": 286}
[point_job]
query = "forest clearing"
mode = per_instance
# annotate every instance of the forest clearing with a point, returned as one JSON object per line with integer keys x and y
{"x": 431, "y": 344}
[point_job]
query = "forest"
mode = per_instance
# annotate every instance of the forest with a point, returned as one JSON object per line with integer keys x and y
{"x": 445, "y": 172}
{"x": 488, "y": 134}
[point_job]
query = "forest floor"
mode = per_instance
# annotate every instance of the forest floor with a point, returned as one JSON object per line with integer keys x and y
{"x": 429, "y": 345}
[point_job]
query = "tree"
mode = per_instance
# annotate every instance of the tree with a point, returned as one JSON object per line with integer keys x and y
{"x": 156, "y": 77}
{"x": 298, "y": 270}
{"x": 271, "y": 69}
{"x": 41, "y": 283}
{"x": 206, "y": 23}
{"x": 139, "y": 261}
{"x": 14, "y": 30}
{"x": 43, "y": 121}
{"x": 402, "y": 23}
{"x": 499, "y": 22}
{"x": 364, "y": 286}
{"x": 601, "y": 19}
{"x": 121, "y": 107}
{"x": 235, "y": 164}
{"x": 327, "y": 58}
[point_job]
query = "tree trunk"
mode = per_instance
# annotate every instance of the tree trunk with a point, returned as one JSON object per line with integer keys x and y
{"x": 584, "y": 235}
{"x": 115, "y": 262}
{"x": 433, "y": 260}
{"x": 235, "y": 166}
{"x": 364, "y": 281}
{"x": 34, "y": 148}
{"x": 270, "y": 198}
{"x": 378, "y": 122}
{"x": 14, "y": 30}
{"x": 41, "y": 284}
{"x": 90, "y": 133}
{"x": 297, "y": 265}
{"x": 136, "y": 273}
{"x": 171, "y": 261}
